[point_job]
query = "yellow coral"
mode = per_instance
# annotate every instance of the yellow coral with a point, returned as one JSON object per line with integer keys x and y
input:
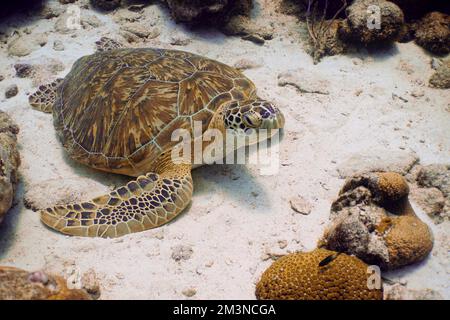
{"x": 16, "y": 284}
{"x": 392, "y": 185}
{"x": 409, "y": 240}
{"x": 298, "y": 276}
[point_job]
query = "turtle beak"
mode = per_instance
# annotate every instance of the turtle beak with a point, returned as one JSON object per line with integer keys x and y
{"x": 273, "y": 121}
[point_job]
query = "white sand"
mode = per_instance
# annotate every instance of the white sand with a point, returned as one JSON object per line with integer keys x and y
{"x": 237, "y": 216}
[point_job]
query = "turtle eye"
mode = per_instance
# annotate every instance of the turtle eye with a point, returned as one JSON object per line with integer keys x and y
{"x": 252, "y": 119}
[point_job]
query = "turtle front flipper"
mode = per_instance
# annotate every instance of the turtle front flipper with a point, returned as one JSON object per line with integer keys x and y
{"x": 147, "y": 202}
{"x": 44, "y": 98}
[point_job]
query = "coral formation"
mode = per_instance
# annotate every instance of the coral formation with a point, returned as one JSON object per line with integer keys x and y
{"x": 106, "y": 4}
{"x": 299, "y": 276}
{"x": 433, "y": 33}
{"x": 9, "y": 162}
{"x": 356, "y": 28}
{"x": 441, "y": 78}
{"x": 372, "y": 219}
{"x": 17, "y": 284}
{"x": 214, "y": 12}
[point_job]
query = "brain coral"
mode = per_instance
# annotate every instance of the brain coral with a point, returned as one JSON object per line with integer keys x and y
{"x": 408, "y": 240}
{"x": 298, "y": 276}
{"x": 17, "y": 284}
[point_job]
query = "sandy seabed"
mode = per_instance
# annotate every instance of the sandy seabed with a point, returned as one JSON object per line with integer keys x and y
{"x": 374, "y": 103}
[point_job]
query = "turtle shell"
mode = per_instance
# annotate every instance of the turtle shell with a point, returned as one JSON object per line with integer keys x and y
{"x": 116, "y": 110}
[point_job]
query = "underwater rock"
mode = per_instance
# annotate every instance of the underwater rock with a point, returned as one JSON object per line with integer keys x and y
{"x": 441, "y": 78}
{"x": 300, "y": 205}
{"x": 298, "y": 276}
{"x": 140, "y": 30}
{"x": 17, "y": 284}
{"x": 400, "y": 292}
{"x": 435, "y": 175}
{"x": 106, "y": 5}
{"x": 21, "y": 46}
{"x": 432, "y": 202}
{"x": 433, "y": 33}
{"x": 11, "y": 91}
{"x": 356, "y": 27}
{"x": 373, "y": 160}
{"x": 243, "y": 26}
{"x": 9, "y": 162}
{"x": 215, "y": 12}
{"x": 181, "y": 252}
{"x": 58, "y": 45}
{"x": 373, "y": 220}
{"x": 54, "y": 192}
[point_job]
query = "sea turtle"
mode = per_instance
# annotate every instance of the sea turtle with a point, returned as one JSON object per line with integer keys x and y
{"x": 116, "y": 110}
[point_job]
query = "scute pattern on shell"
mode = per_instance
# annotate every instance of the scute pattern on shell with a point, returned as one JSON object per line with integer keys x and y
{"x": 116, "y": 109}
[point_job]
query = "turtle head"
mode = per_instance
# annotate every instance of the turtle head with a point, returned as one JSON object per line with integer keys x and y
{"x": 252, "y": 114}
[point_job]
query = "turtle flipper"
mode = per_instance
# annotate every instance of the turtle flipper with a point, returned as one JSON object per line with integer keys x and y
{"x": 106, "y": 44}
{"x": 147, "y": 202}
{"x": 45, "y": 96}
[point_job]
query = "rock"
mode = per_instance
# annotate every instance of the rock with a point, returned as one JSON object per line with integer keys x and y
{"x": 189, "y": 292}
{"x": 11, "y": 91}
{"x": 435, "y": 175}
{"x": 181, "y": 252}
{"x": 433, "y": 33}
{"x": 90, "y": 20}
{"x": 58, "y": 45}
{"x": 243, "y": 26}
{"x": 244, "y": 64}
{"x": 66, "y": 23}
{"x": 356, "y": 27}
{"x": 9, "y": 162}
{"x": 400, "y": 292}
{"x": 179, "y": 39}
{"x": 215, "y": 12}
{"x": 140, "y": 30}
{"x": 300, "y": 205}
{"x": 304, "y": 81}
{"x": 17, "y": 284}
{"x": 54, "y": 192}
{"x": 90, "y": 283}
{"x": 106, "y": 5}
{"x": 23, "y": 45}
{"x": 441, "y": 78}
{"x": 377, "y": 160}
{"x": 124, "y": 15}
{"x": 51, "y": 9}
{"x": 373, "y": 220}
{"x": 23, "y": 70}
{"x": 2, "y": 77}
{"x": 432, "y": 202}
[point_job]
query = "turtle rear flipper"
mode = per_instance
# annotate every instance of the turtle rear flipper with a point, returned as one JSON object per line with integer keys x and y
{"x": 147, "y": 202}
{"x": 106, "y": 44}
{"x": 44, "y": 98}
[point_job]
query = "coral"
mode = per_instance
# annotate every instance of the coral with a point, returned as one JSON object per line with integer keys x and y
{"x": 441, "y": 78}
{"x": 355, "y": 28}
{"x": 408, "y": 240}
{"x": 106, "y": 4}
{"x": 9, "y": 162}
{"x": 216, "y": 12}
{"x": 372, "y": 219}
{"x": 17, "y": 284}
{"x": 433, "y": 33}
{"x": 298, "y": 276}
